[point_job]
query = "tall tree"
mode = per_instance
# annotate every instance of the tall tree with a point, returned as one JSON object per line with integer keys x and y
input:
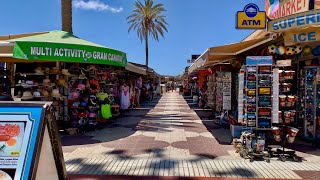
{"x": 66, "y": 14}
{"x": 148, "y": 20}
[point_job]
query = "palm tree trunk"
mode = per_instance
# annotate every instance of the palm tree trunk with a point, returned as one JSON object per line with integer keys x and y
{"x": 66, "y": 14}
{"x": 147, "y": 52}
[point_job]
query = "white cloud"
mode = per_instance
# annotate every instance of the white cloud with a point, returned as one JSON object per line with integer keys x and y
{"x": 95, "y": 5}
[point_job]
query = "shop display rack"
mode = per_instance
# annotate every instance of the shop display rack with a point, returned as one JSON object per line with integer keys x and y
{"x": 286, "y": 116}
{"x": 310, "y": 102}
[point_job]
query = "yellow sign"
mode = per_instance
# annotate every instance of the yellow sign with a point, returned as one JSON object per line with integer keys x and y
{"x": 251, "y": 18}
{"x": 301, "y": 36}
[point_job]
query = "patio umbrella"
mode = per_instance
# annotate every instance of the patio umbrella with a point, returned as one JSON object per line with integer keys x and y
{"x": 65, "y": 47}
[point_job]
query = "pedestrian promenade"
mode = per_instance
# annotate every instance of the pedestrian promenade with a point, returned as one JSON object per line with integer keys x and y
{"x": 167, "y": 138}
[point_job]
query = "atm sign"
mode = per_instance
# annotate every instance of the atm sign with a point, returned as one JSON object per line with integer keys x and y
{"x": 251, "y": 18}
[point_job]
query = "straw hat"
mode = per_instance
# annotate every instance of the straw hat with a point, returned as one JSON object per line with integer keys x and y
{"x": 56, "y": 94}
{"x": 82, "y": 76}
{"x": 46, "y": 81}
{"x": 39, "y": 71}
{"x": 62, "y": 82}
{"x": 91, "y": 68}
{"x": 55, "y": 70}
{"x": 27, "y": 95}
{"x": 65, "y": 72}
{"x": 47, "y": 70}
{"x": 45, "y": 93}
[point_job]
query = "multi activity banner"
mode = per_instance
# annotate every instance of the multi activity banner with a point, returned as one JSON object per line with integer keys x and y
{"x": 73, "y": 53}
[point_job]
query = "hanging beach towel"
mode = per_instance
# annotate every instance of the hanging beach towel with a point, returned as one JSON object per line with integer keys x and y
{"x": 108, "y": 109}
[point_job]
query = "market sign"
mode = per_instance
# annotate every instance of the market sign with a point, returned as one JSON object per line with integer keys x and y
{"x": 301, "y": 36}
{"x": 301, "y": 20}
{"x": 72, "y": 53}
{"x": 286, "y": 8}
{"x": 251, "y": 18}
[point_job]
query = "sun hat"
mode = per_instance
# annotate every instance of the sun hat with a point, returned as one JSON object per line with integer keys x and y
{"x": 82, "y": 115}
{"x": 94, "y": 86}
{"x": 82, "y": 76}
{"x": 55, "y": 93}
{"x": 83, "y": 104}
{"x": 75, "y": 95}
{"x": 65, "y": 72}
{"x": 92, "y": 115}
{"x": 55, "y": 70}
{"x": 36, "y": 94}
{"x": 102, "y": 96}
{"x": 45, "y": 93}
{"x": 62, "y": 82}
{"x": 81, "y": 87}
{"x": 27, "y": 95}
{"x": 75, "y": 104}
{"x": 29, "y": 82}
{"x": 46, "y": 81}
{"x": 91, "y": 68}
{"x": 38, "y": 71}
{"x": 47, "y": 70}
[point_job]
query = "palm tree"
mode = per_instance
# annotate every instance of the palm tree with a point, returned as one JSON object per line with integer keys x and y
{"x": 66, "y": 14}
{"x": 148, "y": 20}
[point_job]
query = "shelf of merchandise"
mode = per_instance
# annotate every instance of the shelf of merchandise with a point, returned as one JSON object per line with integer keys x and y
{"x": 310, "y": 99}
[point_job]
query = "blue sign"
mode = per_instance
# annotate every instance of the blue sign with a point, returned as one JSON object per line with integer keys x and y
{"x": 251, "y": 10}
{"x": 259, "y": 60}
{"x": 20, "y": 127}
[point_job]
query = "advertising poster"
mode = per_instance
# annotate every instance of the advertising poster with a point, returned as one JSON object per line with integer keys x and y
{"x": 19, "y": 128}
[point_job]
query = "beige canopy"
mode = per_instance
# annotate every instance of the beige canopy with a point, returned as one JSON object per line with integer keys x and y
{"x": 220, "y": 54}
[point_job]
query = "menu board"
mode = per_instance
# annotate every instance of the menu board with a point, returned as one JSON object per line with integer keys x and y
{"x": 22, "y": 126}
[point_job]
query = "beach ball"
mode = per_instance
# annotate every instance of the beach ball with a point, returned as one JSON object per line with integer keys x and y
{"x": 290, "y": 50}
{"x": 280, "y": 50}
{"x": 307, "y": 51}
{"x": 272, "y": 49}
{"x": 316, "y": 51}
{"x": 298, "y": 49}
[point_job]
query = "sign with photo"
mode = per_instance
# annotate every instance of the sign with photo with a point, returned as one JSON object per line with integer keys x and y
{"x": 23, "y": 127}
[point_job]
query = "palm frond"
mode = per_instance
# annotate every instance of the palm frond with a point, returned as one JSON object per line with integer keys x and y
{"x": 148, "y": 20}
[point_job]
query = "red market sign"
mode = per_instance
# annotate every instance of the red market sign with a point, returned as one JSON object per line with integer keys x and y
{"x": 288, "y": 7}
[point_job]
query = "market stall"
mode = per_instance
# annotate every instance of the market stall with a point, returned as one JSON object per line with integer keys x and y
{"x": 87, "y": 83}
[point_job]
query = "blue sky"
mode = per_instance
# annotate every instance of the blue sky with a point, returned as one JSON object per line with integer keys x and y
{"x": 194, "y": 26}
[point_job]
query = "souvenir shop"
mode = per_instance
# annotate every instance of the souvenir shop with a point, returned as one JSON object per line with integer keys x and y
{"x": 85, "y": 92}
{"x": 278, "y": 99}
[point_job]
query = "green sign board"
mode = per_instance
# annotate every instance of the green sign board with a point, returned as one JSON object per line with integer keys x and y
{"x": 73, "y": 53}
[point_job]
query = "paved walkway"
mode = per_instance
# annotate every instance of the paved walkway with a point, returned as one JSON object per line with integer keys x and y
{"x": 168, "y": 139}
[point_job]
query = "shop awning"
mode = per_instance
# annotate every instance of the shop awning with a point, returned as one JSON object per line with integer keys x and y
{"x": 237, "y": 48}
{"x": 136, "y": 69}
{"x": 220, "y": 54}
{"x": 65, "y": 47}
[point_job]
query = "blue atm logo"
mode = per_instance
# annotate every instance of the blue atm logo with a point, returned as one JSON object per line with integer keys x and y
{"x": 251, "y": 18}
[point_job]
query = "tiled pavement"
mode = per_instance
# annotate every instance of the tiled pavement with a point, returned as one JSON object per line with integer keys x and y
{"x": 168, "y": 139}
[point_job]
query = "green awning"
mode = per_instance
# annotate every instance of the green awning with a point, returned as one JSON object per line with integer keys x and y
{"x": 65, "y": 47}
